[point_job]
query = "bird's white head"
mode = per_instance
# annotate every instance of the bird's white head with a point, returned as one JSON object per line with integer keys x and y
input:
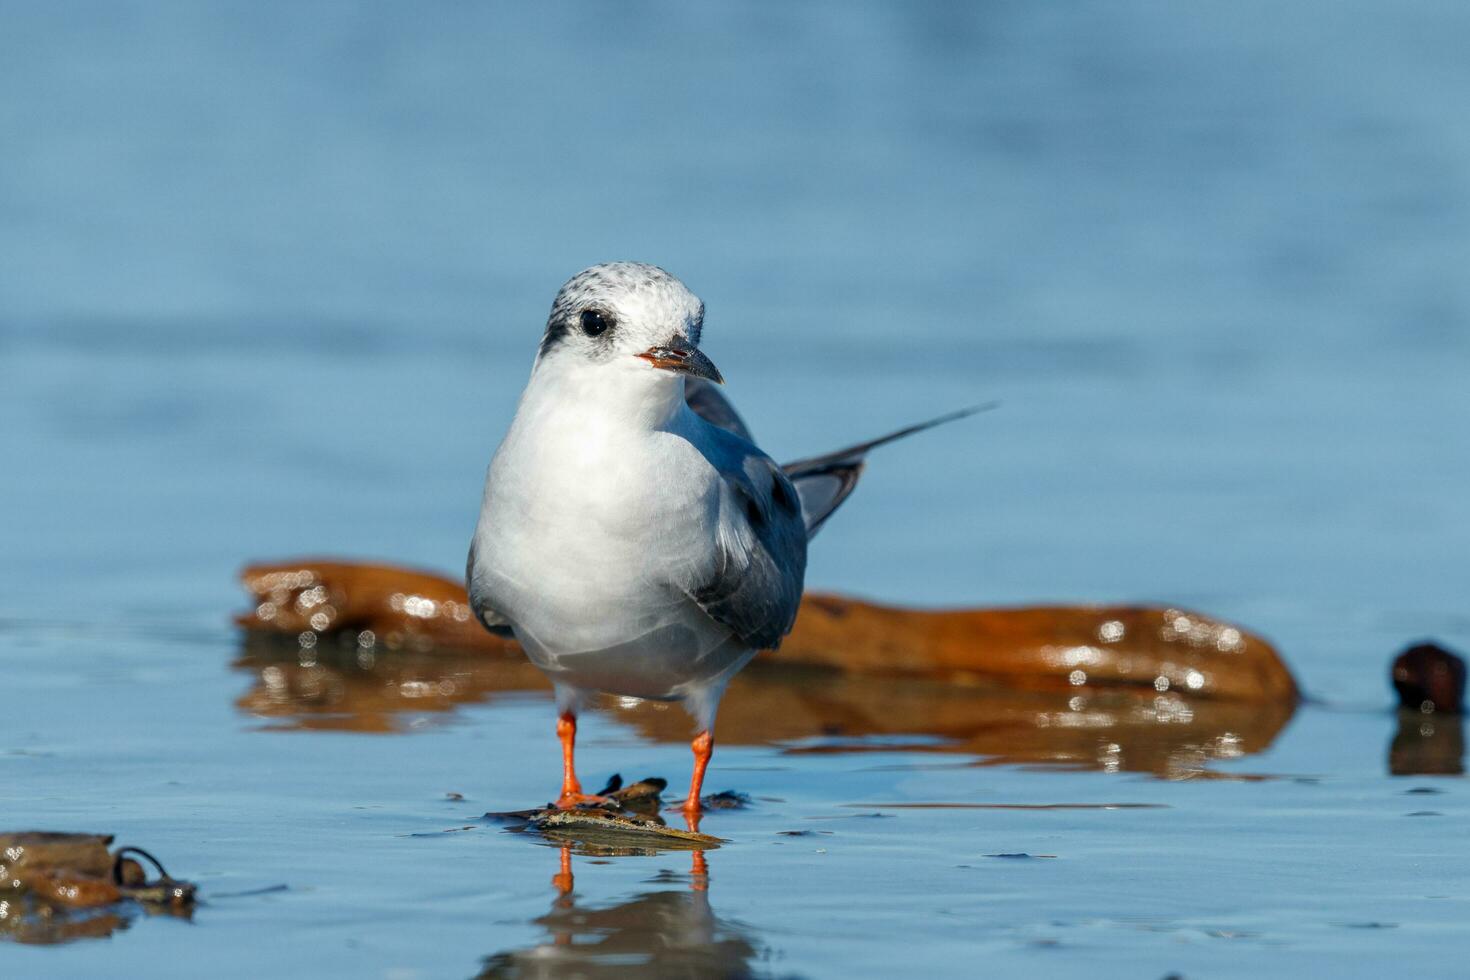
{"x": 628, "y": 320}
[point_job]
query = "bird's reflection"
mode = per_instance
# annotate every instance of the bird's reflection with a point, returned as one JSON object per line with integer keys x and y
{"x": 337, "y": 688}
{"x": 1427, "y": 744}
{"x": 673, "y": 932}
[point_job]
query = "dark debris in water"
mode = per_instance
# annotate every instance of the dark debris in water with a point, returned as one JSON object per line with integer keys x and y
{"x": 646, "y": 793}
{"x": 726, "y": 800}
{"x": 62, "y": 886}
{"x": 597, "y": 826}
{"x": 626, "y": 818}
{"x": 1429, "y": 678}
{"x": 855, "y": 816}
{"x": 1021, "y": 856}
{"x": 440, "y": 833}
{"x": 250, "y": 892}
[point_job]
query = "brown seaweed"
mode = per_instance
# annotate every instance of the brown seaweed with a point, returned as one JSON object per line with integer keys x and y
{"x": 1152, "y": 649}
{"x": 336, "y": 685}
{"x": 61, "y": 886}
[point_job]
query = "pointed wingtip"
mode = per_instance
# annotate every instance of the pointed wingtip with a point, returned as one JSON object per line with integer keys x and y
{"x": 855, "y": 453}
{"x": 929, "y": 424}
{"x": 962, "y": 413}
{"x": 845, "y": 465}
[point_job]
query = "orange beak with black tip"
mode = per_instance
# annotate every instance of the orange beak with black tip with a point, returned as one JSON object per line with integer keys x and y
{"x": 684, "y": 358}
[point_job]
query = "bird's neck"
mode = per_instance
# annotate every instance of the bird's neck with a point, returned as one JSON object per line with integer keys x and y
{"x": 599, "y": 394}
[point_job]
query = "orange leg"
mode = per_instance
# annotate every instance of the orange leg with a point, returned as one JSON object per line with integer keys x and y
{"x": 571, "y": 789}
{"x": 704, "y": 747}
{"x": 699, "y": 871}
{"x": 565, "y": 900}
{"x": 566, "y": 730}
{"x": 562, "y": 880}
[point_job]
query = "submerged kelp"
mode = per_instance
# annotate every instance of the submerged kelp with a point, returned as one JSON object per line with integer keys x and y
{"x": 60, "y": 886}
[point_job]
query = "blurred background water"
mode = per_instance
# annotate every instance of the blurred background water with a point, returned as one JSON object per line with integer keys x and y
{"x": 272, "y": 274}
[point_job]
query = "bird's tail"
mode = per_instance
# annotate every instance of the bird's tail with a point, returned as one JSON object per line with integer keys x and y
{"x": 824, "y": 482}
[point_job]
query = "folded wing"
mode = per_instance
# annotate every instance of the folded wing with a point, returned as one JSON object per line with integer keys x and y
{"x": 755, "y": 586}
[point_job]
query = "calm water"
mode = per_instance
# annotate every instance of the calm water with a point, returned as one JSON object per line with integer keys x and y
{"x": 271, "y": 277}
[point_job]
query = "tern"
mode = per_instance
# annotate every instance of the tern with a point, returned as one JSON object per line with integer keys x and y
{"x": 632, "y": 537}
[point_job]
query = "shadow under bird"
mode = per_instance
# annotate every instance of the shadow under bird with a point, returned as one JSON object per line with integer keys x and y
{"x": 632, "y": 537}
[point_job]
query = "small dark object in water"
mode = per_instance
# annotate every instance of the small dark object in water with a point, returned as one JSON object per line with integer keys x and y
{"x": 726, "y": 800}
{"x": 645, "y": 795}
{"x": 132, "y": 881}
{"x": 1429, "y": 678}
{"x": 63, "y": 883}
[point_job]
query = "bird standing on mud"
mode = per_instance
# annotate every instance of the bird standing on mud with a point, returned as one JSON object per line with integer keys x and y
{"x": 632, "y": 537}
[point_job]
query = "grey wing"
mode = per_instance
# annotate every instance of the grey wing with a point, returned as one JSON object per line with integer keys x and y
{"x": 489, "y": 618}
{"x": 709, "y": 403}
{"x": 755, "y": 586}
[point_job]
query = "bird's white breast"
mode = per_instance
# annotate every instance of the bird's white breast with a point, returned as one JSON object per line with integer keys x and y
{"x": 590, "y": 522}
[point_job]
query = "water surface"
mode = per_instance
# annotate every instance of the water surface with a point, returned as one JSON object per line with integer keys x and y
{"x": 271, "y": 277}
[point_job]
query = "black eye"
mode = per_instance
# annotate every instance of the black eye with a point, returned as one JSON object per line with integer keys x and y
{"x": 595, "y": 322}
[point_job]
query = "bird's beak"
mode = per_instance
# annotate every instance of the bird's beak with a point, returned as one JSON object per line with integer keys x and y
{"x": 681, "y": 356}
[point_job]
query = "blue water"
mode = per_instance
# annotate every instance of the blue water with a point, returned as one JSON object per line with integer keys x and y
{"x": 271, "y": 277}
